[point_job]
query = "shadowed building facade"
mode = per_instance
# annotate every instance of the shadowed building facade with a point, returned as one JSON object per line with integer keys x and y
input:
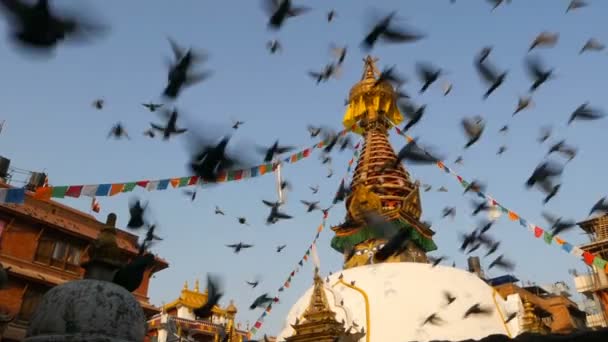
{"x": 43, "y": 243}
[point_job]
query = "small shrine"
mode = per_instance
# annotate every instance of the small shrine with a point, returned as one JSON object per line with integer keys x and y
{"x": 177, "y": 320}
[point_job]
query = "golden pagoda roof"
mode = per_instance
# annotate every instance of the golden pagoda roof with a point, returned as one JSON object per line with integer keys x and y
{"x": 193, "y": 299}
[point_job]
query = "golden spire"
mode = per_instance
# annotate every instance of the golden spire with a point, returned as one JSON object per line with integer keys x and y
{"x": 196, "y": 289}
{"x": 376, "y": 186}
{"x": 371, "y": 103}
{"x": 319, "y": 321}
{"x": 186, "y": 285}
{"x": 370, "y": 71}
{"x": 318, "y": 301}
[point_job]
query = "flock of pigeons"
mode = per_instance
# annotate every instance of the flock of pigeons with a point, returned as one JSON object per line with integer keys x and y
{"x": 37, "y": 27}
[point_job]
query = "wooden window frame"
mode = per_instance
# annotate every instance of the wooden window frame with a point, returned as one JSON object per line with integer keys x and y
{"x": 58, "y": 263}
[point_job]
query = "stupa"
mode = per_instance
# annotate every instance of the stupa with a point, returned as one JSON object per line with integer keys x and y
{"x": 390, "y": 300}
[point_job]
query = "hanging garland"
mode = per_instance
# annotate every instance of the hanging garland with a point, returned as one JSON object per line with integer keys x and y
{"x": 589, "y": 258}
{"x": 112, "y": 189}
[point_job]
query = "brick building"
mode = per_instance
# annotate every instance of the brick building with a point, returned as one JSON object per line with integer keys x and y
{"x": 43, "y": 243}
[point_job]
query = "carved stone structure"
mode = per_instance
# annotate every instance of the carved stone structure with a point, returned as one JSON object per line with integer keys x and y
{"x": 92, "y": 309}
{"x": 372, "y": 111}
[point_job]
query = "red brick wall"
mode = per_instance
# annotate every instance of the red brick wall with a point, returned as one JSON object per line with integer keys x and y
{"x": 19, "y": 242}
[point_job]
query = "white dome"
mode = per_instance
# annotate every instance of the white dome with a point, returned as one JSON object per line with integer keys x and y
{"x": 402, "y": 295}
{"x": 88, "y": 310}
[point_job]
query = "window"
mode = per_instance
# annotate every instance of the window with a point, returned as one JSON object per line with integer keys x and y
{"x": 59, "y": 253}
{"x": 31, "y": 299}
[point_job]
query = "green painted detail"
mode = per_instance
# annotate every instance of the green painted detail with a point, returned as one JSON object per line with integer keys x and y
{"x": 342, "y": 243}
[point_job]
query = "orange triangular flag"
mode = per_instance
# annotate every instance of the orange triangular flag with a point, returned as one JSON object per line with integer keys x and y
{"x": 43, "y": 193}
{"x": 116, "y": 189}
{"x": 174, "y": 182}
{"x": 513, "y": 216}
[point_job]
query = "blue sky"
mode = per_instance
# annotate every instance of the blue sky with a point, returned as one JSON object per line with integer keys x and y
{"x": 51, "y": 125}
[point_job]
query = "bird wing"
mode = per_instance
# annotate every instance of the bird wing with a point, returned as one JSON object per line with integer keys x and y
{"x": 534, "y": 67}
{"x": 471, "y": 128}
{"x": 425, "y": 71}
{"x": 407, "y": 108}
{"x": 270, "y": 6}
{"x": 246, "y": 245}
{"x": 487, "y": 72}
{"x": 400, "y": 35}
{"x": 178, "y": 52}
{"x": 552, "y": 219}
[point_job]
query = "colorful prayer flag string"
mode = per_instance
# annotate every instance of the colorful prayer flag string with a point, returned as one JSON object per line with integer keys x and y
{"x": 102, "y": 190}
{"x": 589, "y": 258}
{"x": 260, "y": 321}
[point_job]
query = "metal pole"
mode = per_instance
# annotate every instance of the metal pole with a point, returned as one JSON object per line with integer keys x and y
{"x": 279, "y": 181}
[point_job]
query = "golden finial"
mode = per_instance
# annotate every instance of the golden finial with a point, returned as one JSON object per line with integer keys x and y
{"x": 370, "y": 71}
{"x": 186, "y": 285}
{"x": 196, "y": 286}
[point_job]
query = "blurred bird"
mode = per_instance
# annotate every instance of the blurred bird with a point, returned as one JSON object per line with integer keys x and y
{"x": 442, "y": 189}
{"x": 428, "y": 74}
{"x": 504, "y": 129}
{"x": 412, "y": 112}
{"x": 544, "y": 39}
{"x": 209, "y": 161}
{"x": 180, "y": 74}
{"x": 152, "y": 106}
{"x": 149, "y": 133}
{"x": 171, "y": 127}
{"x": 497, "y": 3}
{"x": 253, "y": 284}
{"x": 449, "y": 211}
{"x": 545, "y": 170}
{"x": 218, "y": 211}
{"x": 592, "y": 45}
{"x": 558, "y": 224}
{"x": 562, "y": 148}
{"x": 274, "y": 46}
{"x": 510, "y": 317}
{"x": 339, "y": 52}
{"x": 549, "y": 188}
{"x": 280, "y": 248}
{"x": 191, "y": 194}
{"x": 280, "y": 10}
{"x": 390, "y": 75}
{"x": 314, "y": 131}
{"x": 383, "y": 30}
{"x": 447, "y": 88}
{"x": 537, "y": 72}
{"x": 136, "y": 212}
{"x": 449, "y": 298}
{"x": 524, "y": 102}
{"x": 475, "y": 186}
{"x": 545, "y": 133}
{"x": 98, "y": 104}
{"x": 118, "y": 132}
{"x": 484, "y": 54}
{"x": 331, "y": 15}
{"x": 433, "y": 319}
{"x": 585, "y": 112}
{"x": 311, "y": 205}
{"x": 237, "y": 124}
{"x": 491, "y": 76}
{"x": 477, "y": 309}
{"x": 503, "y": 263}
{"x": 502, "y": 149}
{"x": 601, "y": 206}
{"x": 413, "y": 153}
{"x": 275, "y": 149}
{"x": 576, "y": 4}
{"x": 242, "y": 220}
{"x": 261, "y": 301}
{"x": 473, "y": 129}
{"x": 214, "y": 294}
{"x": 239, "y": 246}
{"x": 131, "y": 275}
{"x": 35, "y": 26}
{"x": 314, "y": 189}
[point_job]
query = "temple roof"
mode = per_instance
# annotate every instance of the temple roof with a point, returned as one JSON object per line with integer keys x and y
{"x": 193, "y": 299}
